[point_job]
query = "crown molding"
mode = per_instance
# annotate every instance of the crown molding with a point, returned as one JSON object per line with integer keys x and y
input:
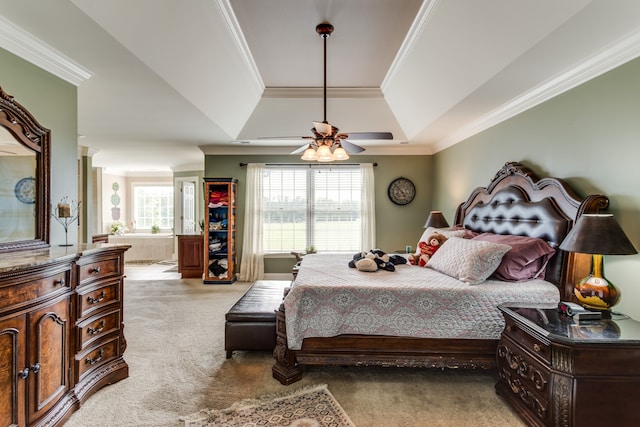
{"x": 21, "y": 43}
{"x": 594, "y": 66}
{"x": 426, "y": 11}
{"x": 233, "y": 26}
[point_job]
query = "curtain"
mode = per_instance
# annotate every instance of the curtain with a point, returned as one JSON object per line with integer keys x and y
{"x": 368, "y": 215}
{"x": 252, "y": 261}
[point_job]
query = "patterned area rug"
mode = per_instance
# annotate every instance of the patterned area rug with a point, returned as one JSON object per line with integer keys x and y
{"x": 312, "y": 406}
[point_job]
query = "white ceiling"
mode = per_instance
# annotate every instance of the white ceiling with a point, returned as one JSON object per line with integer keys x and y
{"x": 160, "y": 82}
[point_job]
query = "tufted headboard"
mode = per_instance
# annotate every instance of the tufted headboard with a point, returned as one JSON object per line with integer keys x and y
{"x": 517, "y": 202}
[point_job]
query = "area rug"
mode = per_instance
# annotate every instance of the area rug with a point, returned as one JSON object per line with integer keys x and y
{"x": 311, "y": 406}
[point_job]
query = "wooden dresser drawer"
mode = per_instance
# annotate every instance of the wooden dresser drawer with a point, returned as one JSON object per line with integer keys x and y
{"x": 528, "y": 379}
{"x": 92, "y": 299}
{"x": 96, "y": 357}
{"x": 96, "y": 327}
{"x": 98, "y": 270}
{"x": 34, "y": 289}
{"x": 538, "y": 347}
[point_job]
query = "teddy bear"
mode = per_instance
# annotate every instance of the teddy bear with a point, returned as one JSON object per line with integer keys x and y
{"x": 427, "y": 249}
{"x": 375, "y": 260}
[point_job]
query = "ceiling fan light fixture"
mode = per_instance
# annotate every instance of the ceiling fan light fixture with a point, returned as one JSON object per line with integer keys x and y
{"x": 324, "y": 154}
{"x": 340, "y": 153}
{"x": 309, "y": 154}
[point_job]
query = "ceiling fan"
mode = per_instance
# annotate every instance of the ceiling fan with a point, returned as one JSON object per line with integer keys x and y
{"x": 327, "y": 144}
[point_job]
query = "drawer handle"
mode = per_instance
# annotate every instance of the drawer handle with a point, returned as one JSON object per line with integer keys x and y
{"x": 509, "y": 328}
{"x": 93, "y": 300}
{"x": 91, "y": 361}
{"x": 95, "y": 270}
{"x": 35, "y": 368}
{"x": 60, "y": 282}
{"x": 96, "y": 330}
{"x": 24, "y": 373}
{"x": 536, "y": 347}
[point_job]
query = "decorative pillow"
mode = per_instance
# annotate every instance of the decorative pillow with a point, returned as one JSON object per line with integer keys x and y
{"x": 526, "y": 260}
{"x": 468, "y": 260}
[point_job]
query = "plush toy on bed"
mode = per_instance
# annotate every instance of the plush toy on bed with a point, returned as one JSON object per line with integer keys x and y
{"x": 427, "y": 249}
{"x": 375, "y": 260}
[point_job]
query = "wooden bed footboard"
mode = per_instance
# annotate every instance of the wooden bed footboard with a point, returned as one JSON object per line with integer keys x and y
{"x": 367, "y": 350}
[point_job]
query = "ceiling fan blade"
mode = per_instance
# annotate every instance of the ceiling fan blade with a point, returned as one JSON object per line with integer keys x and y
{"x": 350, "y": 147}
{"x": 323, "y": 128}
{"x": 285, "y": 137}
{"x": 300, "y": 149}
{"x": 370, "y": 135}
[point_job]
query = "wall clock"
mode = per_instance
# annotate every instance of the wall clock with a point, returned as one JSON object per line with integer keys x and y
{"x": 25, "y": 190}
{"x": 401, "y": 191}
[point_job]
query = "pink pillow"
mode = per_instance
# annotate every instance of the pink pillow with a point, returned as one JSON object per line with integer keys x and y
{"x": 526, "y": 260}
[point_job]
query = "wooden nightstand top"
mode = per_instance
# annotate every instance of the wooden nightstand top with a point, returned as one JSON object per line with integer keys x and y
{"x": 547, "y": 322}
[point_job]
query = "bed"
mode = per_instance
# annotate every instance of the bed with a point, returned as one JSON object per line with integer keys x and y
{"x": 435, "y": 317}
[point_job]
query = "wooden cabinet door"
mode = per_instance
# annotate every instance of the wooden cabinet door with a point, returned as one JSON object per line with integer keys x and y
{"x": 49, "y": 355}
{"x": 13, "y": 375}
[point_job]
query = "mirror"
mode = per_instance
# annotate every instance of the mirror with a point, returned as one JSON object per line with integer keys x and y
{"x": 24, "y": 178}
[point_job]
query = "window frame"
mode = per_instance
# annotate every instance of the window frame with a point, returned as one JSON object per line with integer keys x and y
{"x": 134, "y": 203}
{"x": 311, "y": 188}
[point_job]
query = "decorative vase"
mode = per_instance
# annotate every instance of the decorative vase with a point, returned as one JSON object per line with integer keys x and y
{"x": 595, "y": 291}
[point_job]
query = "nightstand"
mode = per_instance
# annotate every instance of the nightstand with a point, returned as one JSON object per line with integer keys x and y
{"x": 554, "y": 371}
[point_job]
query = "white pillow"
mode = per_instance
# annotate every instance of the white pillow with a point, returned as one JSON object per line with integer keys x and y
{"x": 467, "y": 260}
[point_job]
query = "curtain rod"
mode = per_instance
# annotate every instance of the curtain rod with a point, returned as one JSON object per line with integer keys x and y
{"x": 309, "y": 164}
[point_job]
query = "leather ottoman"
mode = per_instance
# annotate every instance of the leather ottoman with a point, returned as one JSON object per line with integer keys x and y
{"x": 251, "y": 321}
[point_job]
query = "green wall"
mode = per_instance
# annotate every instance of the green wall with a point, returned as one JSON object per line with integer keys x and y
{"x": 589, "y": 136}
{"x": 53, "y": 102}
{"x": 396, "y": 226}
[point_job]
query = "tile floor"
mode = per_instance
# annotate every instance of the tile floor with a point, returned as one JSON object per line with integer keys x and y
{"x": 159, "y": 271}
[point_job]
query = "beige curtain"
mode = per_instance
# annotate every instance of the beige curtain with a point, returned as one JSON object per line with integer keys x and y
{"x": 368, "y": 213}
{"x": 252, "y": 261}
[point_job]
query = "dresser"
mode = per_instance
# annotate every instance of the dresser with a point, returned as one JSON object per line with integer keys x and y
{"x": 557, "y": 371}
{"x": 61, "y": 330}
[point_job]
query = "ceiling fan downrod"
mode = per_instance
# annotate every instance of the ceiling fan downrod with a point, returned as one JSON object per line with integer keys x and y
{"x": 324, "y": 30}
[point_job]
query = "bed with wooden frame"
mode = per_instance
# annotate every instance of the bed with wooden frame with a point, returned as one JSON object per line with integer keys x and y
{"x": 516, "y": 202}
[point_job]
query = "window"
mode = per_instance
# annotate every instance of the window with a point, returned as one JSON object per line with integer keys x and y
{"x": 153, "y": 205}
{"x": 316, "y": 206}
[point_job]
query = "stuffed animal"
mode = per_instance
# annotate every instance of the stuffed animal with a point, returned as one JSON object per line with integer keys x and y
{"x": 375, "y": 260}
{"x": 427, "y": 249}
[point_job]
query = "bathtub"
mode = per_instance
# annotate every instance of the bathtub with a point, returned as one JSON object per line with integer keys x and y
{"x": 146, "y": 246}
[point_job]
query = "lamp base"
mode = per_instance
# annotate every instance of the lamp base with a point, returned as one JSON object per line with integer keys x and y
{"x": 597, "y": 293}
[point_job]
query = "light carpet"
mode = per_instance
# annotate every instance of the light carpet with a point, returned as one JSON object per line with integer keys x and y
{"x": 312, "y": 406}
{"x": 177, "y": 366}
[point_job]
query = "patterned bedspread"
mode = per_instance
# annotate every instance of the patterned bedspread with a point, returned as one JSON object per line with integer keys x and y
{"x": 330, "y": 299}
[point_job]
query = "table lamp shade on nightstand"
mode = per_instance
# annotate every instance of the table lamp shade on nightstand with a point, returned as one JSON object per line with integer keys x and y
{"x": 436, "y": 220}
{"x": 597, "y": 235}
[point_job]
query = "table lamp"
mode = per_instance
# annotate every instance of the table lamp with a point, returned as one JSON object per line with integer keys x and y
{"x": 436, "y": 220}
{"x": 597, "y": 235}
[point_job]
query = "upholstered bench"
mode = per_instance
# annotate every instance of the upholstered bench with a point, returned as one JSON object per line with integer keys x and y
{"x": 251, "y": 322}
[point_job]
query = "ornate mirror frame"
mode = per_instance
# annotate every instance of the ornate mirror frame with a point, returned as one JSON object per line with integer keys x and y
{"x": 33, "y": 136}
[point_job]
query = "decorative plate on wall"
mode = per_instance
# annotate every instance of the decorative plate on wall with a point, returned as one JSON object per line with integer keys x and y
{"x": 26, "y": 190}
{"x": 401, "y": 191}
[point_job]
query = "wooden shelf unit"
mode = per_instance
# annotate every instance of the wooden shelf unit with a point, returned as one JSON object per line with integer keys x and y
{"x": 220, "y": 230}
